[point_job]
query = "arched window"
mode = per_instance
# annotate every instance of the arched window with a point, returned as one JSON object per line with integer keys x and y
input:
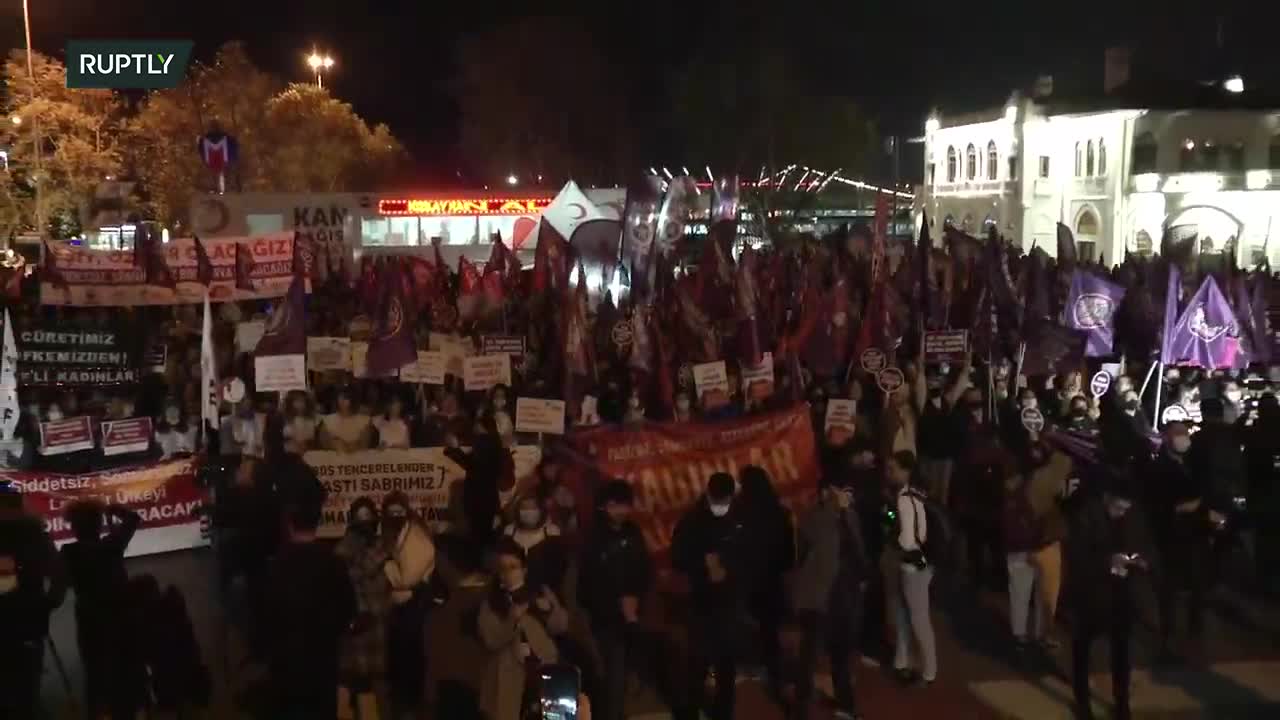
{"x": 1087, "y": 224}
{"x": 1079, "y": 159}
{"x": 1088, "y": 159}
{"x": 1273, "y": 153}
{"x": 970, "y": 162}
{"x": 1102, "y": 157}
{"x": 993, "y": 160}
{"x": 1144, "y": 154}
{"x": 951, "y": 164}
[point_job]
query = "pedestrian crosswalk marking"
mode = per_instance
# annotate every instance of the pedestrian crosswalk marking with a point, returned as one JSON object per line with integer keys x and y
{"x": 1181, "y": 691}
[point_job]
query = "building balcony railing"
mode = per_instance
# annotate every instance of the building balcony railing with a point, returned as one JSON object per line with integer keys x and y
{"x": 1090, "y": 186}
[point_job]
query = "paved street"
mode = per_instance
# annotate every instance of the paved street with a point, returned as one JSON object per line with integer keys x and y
{"x": 978, "y": 678}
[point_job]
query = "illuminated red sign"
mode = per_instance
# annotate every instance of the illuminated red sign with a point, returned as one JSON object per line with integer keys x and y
{"x": 464, "y": 206}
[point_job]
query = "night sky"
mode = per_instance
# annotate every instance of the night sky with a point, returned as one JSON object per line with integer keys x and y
{"x": 395, "y": 60}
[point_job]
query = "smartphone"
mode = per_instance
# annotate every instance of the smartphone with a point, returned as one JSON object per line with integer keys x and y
{"x": 560, "y": 687}
{"x": 1241, "y": 503}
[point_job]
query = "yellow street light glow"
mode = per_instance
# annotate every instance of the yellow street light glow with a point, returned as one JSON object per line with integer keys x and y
{"x": 16, "y": 120}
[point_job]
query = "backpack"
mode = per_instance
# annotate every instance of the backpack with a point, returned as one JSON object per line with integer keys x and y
{"x": 937, "y": 546}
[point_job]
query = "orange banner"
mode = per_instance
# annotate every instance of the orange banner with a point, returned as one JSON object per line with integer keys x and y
{"x": 667, "y": 464}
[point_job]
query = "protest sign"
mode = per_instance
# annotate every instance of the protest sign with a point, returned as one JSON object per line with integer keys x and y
{"x": 279, "y": 373}
{"x": 1100, "y": 383}
{"x": 667, "y": 464}
{"x": 328, "y": 353}
{"x": 949, "y": 346}
{"x": 482, "y": 372}
{"x": 114, "y": 278}
{"x": 425, "y": 475}
{"x": 502, "y": 345}
{"x": 156, "y": 357}
{"x": 454, "y": 348}
{"x": 49, "y": 355}
{"x": 165, "y": 494}
{"x": 64, "y": 436}
{"x": 873, "y": 360}
{"x": 360, "y": 359}
{"x": 1032, "y": 420}
{"x": 1175, "y": 413}
{"x": 757, "y": 380}
{"x": 9, "y": 413}
{"x": 126, "y": 436}
{"x": 709, "y": 377}
{"x": 841, "y": 420}
{"x": 535, "y": 415}
{"x": 890, "y": 380}
{"x": 429, "y": 369}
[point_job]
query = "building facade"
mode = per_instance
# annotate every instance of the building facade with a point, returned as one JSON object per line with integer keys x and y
{"x": 1116, "y": 177}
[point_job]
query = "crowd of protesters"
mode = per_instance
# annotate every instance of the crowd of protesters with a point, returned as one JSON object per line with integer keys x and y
{"x": 941, "y": 481}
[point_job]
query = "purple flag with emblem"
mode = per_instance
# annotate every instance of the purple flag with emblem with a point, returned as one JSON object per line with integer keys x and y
{"x": 392, "y": 345}
{"x": 286, "y": 332}
{"x": 1206, "y": 334}
{"x": 1091, "y": 307}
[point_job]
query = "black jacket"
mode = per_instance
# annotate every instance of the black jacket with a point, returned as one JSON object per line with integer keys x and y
{"x": 42, "y": 582}
{"x": 1217, "y": 460}
{"x": 1172, "y": 483}
{"x": 1095, "y": 537}
{"x": 700, "y": 533}
{"x": 615, "y": 563}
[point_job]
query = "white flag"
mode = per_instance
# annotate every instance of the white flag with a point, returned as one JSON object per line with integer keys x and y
{"x": 208, "y": 371}
{"x": 570, "y": 209}
{"x": 8, "y": 357}
{"x": 8, "y": 382}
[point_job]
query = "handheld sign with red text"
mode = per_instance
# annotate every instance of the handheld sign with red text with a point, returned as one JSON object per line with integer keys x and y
{"x": 126, "y": 436}
{"x": 1032, "y": 420}
{"x": 65, "y": 436}
{"x": 840, "y": 423}
{"x": 1099, "y": 385}
{"x": 535, "y": 415}
{"x": 890, "y": 380}
{"x": 485, "y": 371}
{"x": 757, "y": 381}
{"x": 873, "y": 360}
{"x": 711, "y": 382}
{"x": 946, "y": 346}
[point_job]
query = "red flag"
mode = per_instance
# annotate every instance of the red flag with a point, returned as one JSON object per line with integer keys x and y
{"x": 245, "y": 266}
{"x": 470, "y": 290}
{"x": 368, "y": 294}
{"x": 579, "y": 356}
{"x": 497, "y": 275}
{"x": 747, "y": 338}
{"x": 423, "y": 283}
{"x": 204, "y": 266}
{"x": 875, "y": 321}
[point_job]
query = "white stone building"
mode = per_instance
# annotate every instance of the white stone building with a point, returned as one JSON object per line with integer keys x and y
{"x": 1116, "y": 176}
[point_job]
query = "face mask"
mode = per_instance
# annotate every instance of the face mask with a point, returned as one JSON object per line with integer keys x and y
{"x": 367, "y": 529}
{"x": 499, "y": 402}
{"x": 1235, "y": 397}
{"x": 1029, "y": 403}
{"x": 634, "y": 402}
{"x": 1131, "y": 406}
{"x": 127, "y": 408}
{"x": 393, "y": 524}
{"x": 682, "y": 404}
{"x": 1180, "y": 443}
{"x": 55, "y": 413}
{"x": 530, "y": 517}
{"x": 1078, "y": 412}
{"x": 172, "y": 416}
{"x": 719, "y": 509}
{"x": 8, "y": 583}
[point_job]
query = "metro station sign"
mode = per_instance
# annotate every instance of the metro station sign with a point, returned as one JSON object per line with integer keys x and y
{"x": 464, "y": 206}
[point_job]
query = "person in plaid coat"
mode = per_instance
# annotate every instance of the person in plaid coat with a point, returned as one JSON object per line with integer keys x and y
{"x": 363, "y": 660}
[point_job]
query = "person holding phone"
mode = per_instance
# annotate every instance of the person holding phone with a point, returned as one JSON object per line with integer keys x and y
{"x": 1109, "y": 549}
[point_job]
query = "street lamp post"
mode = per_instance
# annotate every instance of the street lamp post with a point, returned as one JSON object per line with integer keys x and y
{"x": 35, "y": 121}
{"x": 319, "y": 65}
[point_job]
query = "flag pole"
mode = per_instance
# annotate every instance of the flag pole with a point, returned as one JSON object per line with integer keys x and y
{"x": 1147, "y": 380}
{"x": 1159, "y": 383}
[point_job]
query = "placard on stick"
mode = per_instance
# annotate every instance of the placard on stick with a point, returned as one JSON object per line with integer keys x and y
{"x": 538, "y": 415}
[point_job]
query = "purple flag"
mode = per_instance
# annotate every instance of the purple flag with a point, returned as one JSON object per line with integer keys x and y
{"x": 286, "y": 332}
{"x": 1091, "y": 307}
{"x": 1052, "y": 349}
{"x": 1207, "y": 334}
{"x": 392, "y": 345}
